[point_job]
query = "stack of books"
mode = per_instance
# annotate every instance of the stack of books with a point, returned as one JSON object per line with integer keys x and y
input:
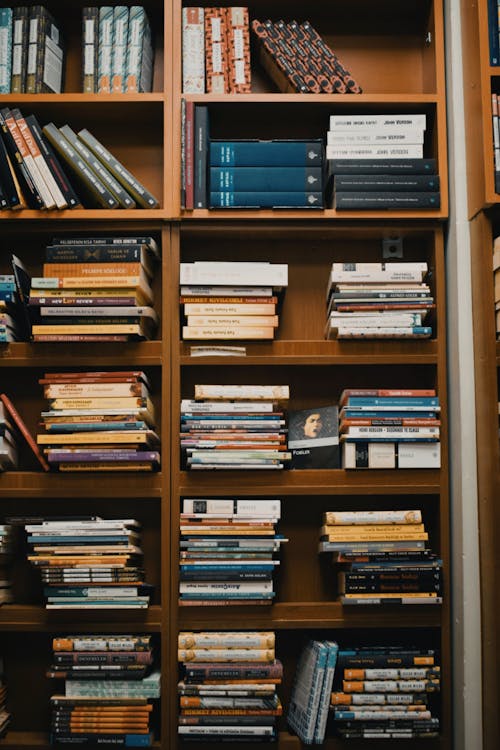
{"x": 117, "y": 50}
{"x": 99, "y": 421}
{"x": 377, "y": 162}
{"x": 109, "y": 689}
{"x": 311, "y": 691}
{"x": 390, "y": 428}
{"x": 231, "y": 300}
{"x": 216, "y": 51}
{"x": 297, "y": 59}
{"x": 496, "y": 280}
{"x": 32, "y": 60}
{"x": 95, "y": 289}
{"x": 228, "y": 685}
{"x": 89, "y": 564}
{"x": 384, "y": 557}
{"x": 235, "y": 427}
{"x": 378, "y": 300}
{"x": 384, "y": 692}
{"x": 6, "y": 551}
{"x": 227, "y": 551}
{"x": 4, "y": 714}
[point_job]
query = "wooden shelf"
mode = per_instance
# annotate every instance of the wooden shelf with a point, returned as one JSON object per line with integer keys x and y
{"x": 327, "y": 214}
{"x": 32, "y": 618}
{"x": 39, "y": 354}
{"x": 88, "y": 214}
{"x": 352, "y": 102}
{"x": 112, "y": 486}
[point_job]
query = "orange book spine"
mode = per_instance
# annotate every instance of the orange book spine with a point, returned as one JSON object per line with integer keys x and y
{"x": 52, "y": 270}
{"x": 216, "y": 67}
{"x": 238, "y": 50}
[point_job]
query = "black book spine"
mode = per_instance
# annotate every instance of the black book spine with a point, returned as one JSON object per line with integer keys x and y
{"x": 385, "y": 200}
{"x": 26, "y": 184}
{"x": 6, "y": 179}
{"x": 201, "y": 136}
{"x": 20, "y": 24}
{"x": 90, "y": 47}
{"x": 382, "y": 166}
{"x": 396, "y": 183}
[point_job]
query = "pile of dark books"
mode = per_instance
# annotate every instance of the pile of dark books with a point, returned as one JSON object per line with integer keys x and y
{"x": 384, "y": 692}
{"x": 89, "y": 564}
{"x": 383, "y": 557}
{"x": 109, "y": 689}
{"x": 228, "y": 686}
{"x": 227, "y": 551}
{"x": 99, "y": 421}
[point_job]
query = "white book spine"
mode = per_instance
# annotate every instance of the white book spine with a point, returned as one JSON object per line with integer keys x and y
{"x": 242, "y": 392}
{"x": 374, "y": 137}
{"x": 238, "y": 507}
{"x": 375, "y": 152}
{"x": 193, "y": 50}
{"x": 189, "y": 406}
{"x": 391, "y": 122}
{"x": 347, "y": 518}
{"x": 392, "y": 432}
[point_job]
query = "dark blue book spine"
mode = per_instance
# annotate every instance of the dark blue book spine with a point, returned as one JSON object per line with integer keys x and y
{"x": 493, "y": 32}
{"x": 124, "y": 740}
{"x": 402, "y": 401}
{"x": 266, "y": 153}
{"x": 403, "y": 183}
{"x": 353, "y": 412}
{"x": 283, "y": 199}
{"x": 226, "y": 179}
{"x": 390, "y": 200}
{"x": 200, "y": 156}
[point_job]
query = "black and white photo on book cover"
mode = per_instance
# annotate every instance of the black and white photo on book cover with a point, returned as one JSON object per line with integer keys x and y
{"x": 313, "y": 438}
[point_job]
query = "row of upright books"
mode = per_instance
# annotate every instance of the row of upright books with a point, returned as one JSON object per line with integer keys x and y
{"x": 35, "y": 162}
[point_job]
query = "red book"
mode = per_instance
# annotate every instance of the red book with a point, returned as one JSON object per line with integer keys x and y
{"x": 16, "y": 418}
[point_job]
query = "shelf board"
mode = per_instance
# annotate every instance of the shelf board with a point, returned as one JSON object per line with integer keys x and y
{"x": 310, "y": 615}
{"x": 84, "y": 354}
{"x": 310, "y": 482}
{"x": 88, "y": 214}
{"x": 352, "y": 102}
{"x": 110, "y": 485}
{"x": 80, "y": 98}
{"x": 306, "y": 213}
{"x": 318, "y": 353}
{"x": 36, "y": 618}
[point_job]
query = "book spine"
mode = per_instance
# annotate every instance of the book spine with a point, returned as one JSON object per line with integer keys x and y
{"x": 262, "y": 199}
{"x": 238, "y": 50}
{"x": 240, "y": 321}
{"x": 200, "y": 156}
{"x": 20, "y": 31}
{"x": 106, "y": 33}
{"x": 142, "y": 196}
{"x": 27, "y": 186}
{"x": 34, "y": 40}
{"x": 341, "y": 518}
{"x": 400, "y": 151}
{"x": 223, "y": 332}
{"x": 216, "y": 63}
{"x": 382, "y": 167}
{"x": 51, "y": 63}
{"x": 193, "y": 50}
{"x": 366, "y": 122}
{"x": 189, "y": 154}
{"x": 260, "y": 640}
{"x": 5, "y": 50}
{"x": 119, "y": 50}
{"x": 9, "y": 189}
{"x": 265, "y": 153}
{"x": 90, "y": 49}
{"x": 386, "y": 200}
{"x": 243, "y": 309}
{"x": 493, "y": 32}
{"x": 140, "y": 54}
{"x": 229, "y": 179}
{"x": 373, "y": 136}
{"x": 47, "y": 186}
{"x": 326, "y": 689}
{"x": 96, "y": 254}
{"x": 394, "y": 183}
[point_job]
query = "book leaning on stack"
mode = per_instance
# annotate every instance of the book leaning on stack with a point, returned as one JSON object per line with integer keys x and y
{"x": 6, "y": 554}
{"x": 231, "y": 300}
{"x": 89, "y": 564}
{"x": 228, "y": 686}
{"x": 378, "y": 300}
{"x": 235, "y": 427}
{"x": 383, "y": 557}
{"x": 109, "y": 690}
{"x": 312, "y": 685}
{"x": 390, "y": 428}
{"x": 95, "y": 289}
{"x": 377, "y": 162}
{"x": 226, "y": 551}
{"x": 384, "y": 692}
{"x": 99, "y": 421}
{"x": 4, "y": 714}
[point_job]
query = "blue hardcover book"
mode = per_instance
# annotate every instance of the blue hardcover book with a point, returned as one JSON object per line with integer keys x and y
{"x": 326, "y": 691}
{"x": 116, "y": 740}
{"x": 226, "y": 179}
{"x": 70, "y": 427}
{"x": 493, "y": 32}
{"x": 283, "y": 199}
{"x": 258, "y": 153}
{"x": 423, "y": 401}
{"x": 306, "y": 690}
{"x": 5, "y": 49}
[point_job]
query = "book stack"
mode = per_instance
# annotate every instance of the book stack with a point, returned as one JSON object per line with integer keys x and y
{"x": 227, "y": 551}
{"x": 4, "y": 714}
{"x": 378, "y": 300}
{"x": 496, "y": 280}
{"x": 377, "y": 162}
{"x": 390, "y": 428}
{"x": 385, "y": 692}
{"x": 117, "y": 50}
{"x": 32, "y": 60}
{"x": 384, "y": 557}
{"x": 95, "y": 289}
{"x": 228, "y": 685}
{"x": 108, "y": 693}
{"x": 235, "y": 427}
{"x": 231, "y": 300}
{"x": 99, "y": 421}
{"x": 311, "y": 691}
{"x": 216, "y": 51}
{"x": 89, "y": 563}
{"x": 6, "y": 552}
{"x": 297, "y": 59}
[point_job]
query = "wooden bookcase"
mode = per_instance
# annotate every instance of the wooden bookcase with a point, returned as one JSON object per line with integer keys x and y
{"x": 396, "y": 51}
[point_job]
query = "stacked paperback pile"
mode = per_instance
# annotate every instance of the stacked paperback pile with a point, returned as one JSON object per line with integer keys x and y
{"x": 390, "y": 428}
{"x": 95, "y": 289}
{"x": 311, "y": 691}
{"x": 6, "y": 549}
{"x": 231, "y": 300}
{"x": 4, "y": 714}
{"x": 378, "y": 300}
{"x": 297, "y": 59}
{"x": 215, "y": 51}
{"x": 496, "y": 279}
{"x": 227, "y": 551}
{"x": 32, "y": 60}
{"x": 89, "y": 564}
{"x": 228, "y": 686}
{"x": 31, "y": 175}
{"x": 117, "y": 50}
{"x": 385, "y": 692}
{"x": 99, "y": 421}
{"x": 235, "y": 427}
{"x": 384, "y": 557}
{"x": 109, "y": 687}
{"x": 377, "y": 162}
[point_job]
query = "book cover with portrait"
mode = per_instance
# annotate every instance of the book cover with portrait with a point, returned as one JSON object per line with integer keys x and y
{"x": 313, "y": 438}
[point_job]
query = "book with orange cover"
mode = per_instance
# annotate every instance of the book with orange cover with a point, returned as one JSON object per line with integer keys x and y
{"x": 216, "y": 71}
